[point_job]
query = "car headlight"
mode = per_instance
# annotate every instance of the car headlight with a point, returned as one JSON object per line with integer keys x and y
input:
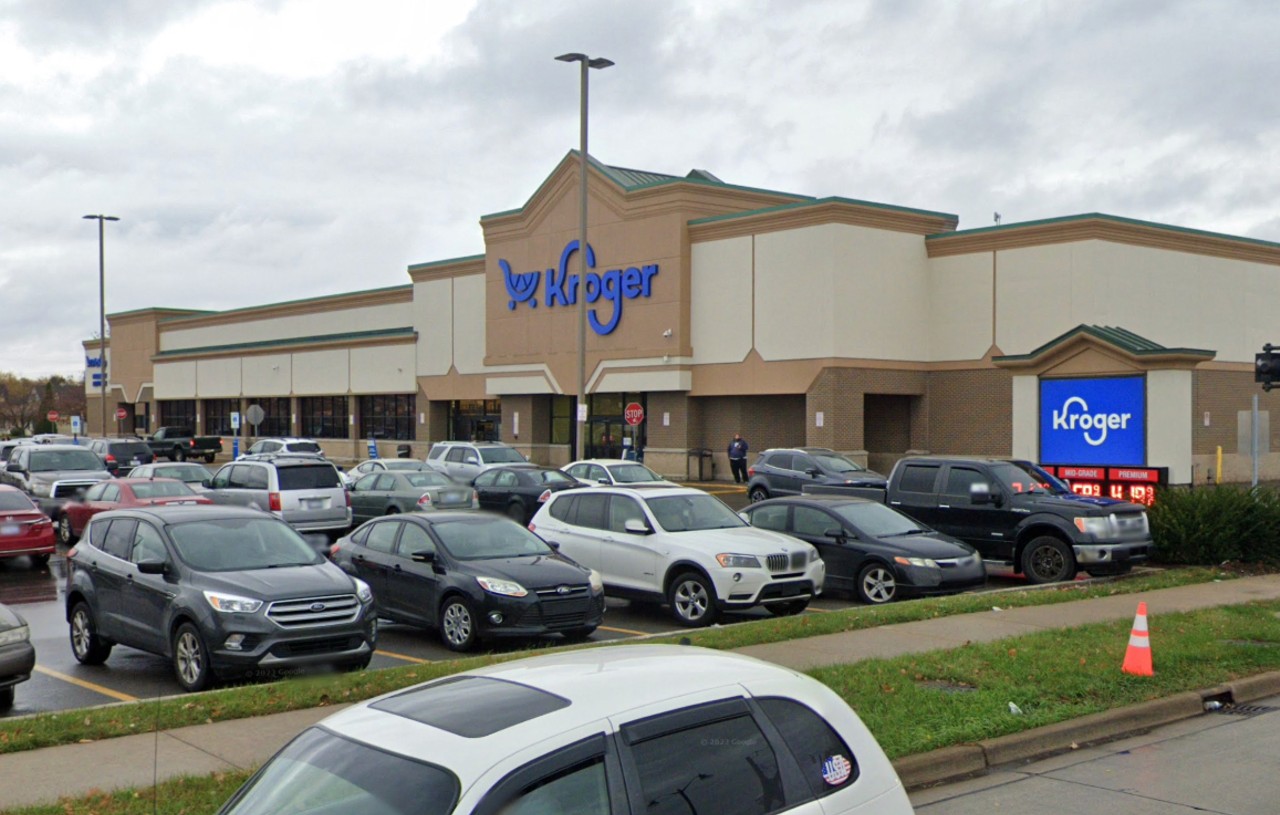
{"x": 729, "y": 560}
{"x": 363, "y": 591}
{"x": 1098, "y": 527}
{"x": 922, "y": 562}
{"x": 507, "y": 588}
{"x": 14, "y": 635}
{"x": 597, "y": 582}
{"x": 231, "y": 603}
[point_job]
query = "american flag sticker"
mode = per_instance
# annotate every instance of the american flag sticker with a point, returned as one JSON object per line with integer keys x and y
{"x": 836, "y": 770}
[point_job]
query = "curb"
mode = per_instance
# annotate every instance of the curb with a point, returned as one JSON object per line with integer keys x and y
{"x": 968, "y": 760}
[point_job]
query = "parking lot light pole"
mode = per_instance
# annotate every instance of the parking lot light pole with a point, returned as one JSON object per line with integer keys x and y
{"x": 102, "y": 316}
{"x": 586, "y": 64}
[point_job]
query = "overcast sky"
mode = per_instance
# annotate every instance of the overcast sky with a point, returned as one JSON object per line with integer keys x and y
{"x": 265, "y": 151}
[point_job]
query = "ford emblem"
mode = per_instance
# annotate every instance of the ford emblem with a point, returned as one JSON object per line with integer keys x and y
{"x": 318, "y": 606}
{"x": 563, "y": 589}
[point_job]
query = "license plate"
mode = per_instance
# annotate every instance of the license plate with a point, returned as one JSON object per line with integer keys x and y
{"x": 314, "y": 503}
{"x": 135, "y": 462}
{"x": 10, "y": 530}
{"x": 451, "y": 497}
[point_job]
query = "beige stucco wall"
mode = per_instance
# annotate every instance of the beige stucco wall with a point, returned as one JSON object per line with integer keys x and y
{"x": 217, "y": 378}
{"x": 175, "y": 380}
{"x": 1169, "y": 423}
{"x": 433, "y": 320}
{"x": 1026, "y": 417}
{"x": 369, "y": 318}
{"x": 959, "y": 324}
{"x": 469, "y": 324}
{"x": 383, "y": 369}
{"x": 265, "y": 375}
{"x": 319, "y": 373}
{"x": 721, "y": 300}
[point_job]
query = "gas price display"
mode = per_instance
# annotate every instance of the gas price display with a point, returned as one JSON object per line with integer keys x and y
{"x": 1135, "y": 484}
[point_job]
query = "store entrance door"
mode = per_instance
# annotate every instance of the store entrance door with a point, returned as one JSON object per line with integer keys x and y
{"x": 604, "y": 437}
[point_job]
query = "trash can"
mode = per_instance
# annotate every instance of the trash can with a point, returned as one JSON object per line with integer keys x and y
{"x": 404, "y": 451}
{"x": 701, "y": 466}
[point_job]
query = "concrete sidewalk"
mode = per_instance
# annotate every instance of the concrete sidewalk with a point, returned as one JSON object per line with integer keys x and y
{"x": 42, "y": 776}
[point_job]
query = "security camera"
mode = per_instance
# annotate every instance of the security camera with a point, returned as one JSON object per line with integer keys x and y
{"x": 667, "y": 333}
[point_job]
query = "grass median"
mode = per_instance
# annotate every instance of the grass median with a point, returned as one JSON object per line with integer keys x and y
{"x": 69, "y": 727}
{"x": 922, "y": 702}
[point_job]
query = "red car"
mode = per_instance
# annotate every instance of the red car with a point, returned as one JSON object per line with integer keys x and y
{"x": 117, "y": 494}
{"x": 24, "y": 529}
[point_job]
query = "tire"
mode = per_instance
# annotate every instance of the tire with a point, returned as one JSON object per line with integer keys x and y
{"x": 66, "y": 536}
{"x": 458, "y": 624}
{"x": 209, "y": 457}
{"x": 86, "y": 645}
{"x": 515, "y": 511}
{"x": 179, "y": 454}
{"x": 1046, "y": 559}
{"x": 578, "y": 634}
{"x": 787, "y": 609}
{"x": 692, "y": 598}
{"x": 758, "y": 494}
{"x": 1110, "y": 571}
{"x": 40, "y": 560}
{"x": 191, "y": 659}
{"x": 6, "y": 699}
{"x": 356, "y": 664}
{"x": 392, "y": 510}
{"x": 876, "y": 584}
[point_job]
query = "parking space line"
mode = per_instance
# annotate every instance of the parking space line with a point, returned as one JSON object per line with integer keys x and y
{"x": 405, "y": 657}
{"x": 114, "y": 694}
{"x": 820, "y": 610}
{"x": 624, "y": 631}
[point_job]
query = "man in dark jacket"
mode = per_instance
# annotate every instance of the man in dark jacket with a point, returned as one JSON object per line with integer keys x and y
{"x": 738, "y": 458}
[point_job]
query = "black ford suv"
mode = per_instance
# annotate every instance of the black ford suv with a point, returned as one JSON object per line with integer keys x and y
{"x": 220, "y": 591}
{"x": 787, "y": 471}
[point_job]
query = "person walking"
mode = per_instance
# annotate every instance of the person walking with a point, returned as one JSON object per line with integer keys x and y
{"x": 738, "y": 458}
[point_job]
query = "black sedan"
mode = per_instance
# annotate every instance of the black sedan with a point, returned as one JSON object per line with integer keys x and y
{"x": 17, "y": 657}
{"x": 471, "y": 576}
{"x": 518, "y": 491}
{"x": 874, "y": 551}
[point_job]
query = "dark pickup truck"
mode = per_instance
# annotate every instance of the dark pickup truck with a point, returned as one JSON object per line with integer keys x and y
{"x": 1014, "y": 512}
{"x": 179, "y": 444}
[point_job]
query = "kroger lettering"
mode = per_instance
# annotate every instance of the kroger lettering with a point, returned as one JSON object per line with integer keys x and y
{"x": 615, "y": 286}
{"x": 1099, "y": 423}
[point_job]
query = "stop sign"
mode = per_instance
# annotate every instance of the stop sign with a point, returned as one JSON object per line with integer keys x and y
{"x": 52, "y": 415}
{"x": 122, "y": 414}
{"x": 634, "y": 414}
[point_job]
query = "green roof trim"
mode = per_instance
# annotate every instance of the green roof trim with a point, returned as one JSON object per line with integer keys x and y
{"x": 1121, "y": 338}
{"x": 320, "y": 299}
{"x": 187, "y": 311}
{"x": 631, "y": 180}
{"x": 413, "y": 267}
{"x": 1102, "y": 216}
{"x": 352, "y": 336}
{"x": 813, "y": 202}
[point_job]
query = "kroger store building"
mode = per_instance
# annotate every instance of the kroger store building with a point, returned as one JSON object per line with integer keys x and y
{"x": 876, "y": 330}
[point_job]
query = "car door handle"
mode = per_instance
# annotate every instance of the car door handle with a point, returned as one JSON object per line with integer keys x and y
{"x": 944, "y": 506}
{"x": 397, "y": 568}
{"x": 359, "y": 558}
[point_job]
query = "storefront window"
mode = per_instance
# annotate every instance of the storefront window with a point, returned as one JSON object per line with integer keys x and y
{"x": 277, "y": 421}
{"x": 142, "y": 418}
{"x": 562, "y": 419}
{"x": 178, "y": 413}
{"x": 608, "y": 435}
{"x": 475, "y": 420}
{"x": 388, "y": 417}
{"x": 217, "y": 416}
{"x": 324, "y": 417}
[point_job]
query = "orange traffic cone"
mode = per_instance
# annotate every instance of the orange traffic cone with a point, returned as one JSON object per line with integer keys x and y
{"x": 1137, "y": 659}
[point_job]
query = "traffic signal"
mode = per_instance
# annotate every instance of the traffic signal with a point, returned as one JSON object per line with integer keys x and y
{"x": 1266, "y": 367}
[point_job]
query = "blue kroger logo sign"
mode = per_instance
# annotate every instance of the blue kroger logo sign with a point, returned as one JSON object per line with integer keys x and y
{"x": 560, "y": 288}
{"x": 1094, "y": 421}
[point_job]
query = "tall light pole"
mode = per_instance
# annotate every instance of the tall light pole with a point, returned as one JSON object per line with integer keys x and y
{"x": 102, "y": 316}
{"x": 586, "y": 63}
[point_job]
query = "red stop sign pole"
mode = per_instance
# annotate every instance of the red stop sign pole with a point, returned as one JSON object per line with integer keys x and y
{"x": 52, "y": 416}
{"x": 634, "y": 414}
{"x": 121, "y": 414}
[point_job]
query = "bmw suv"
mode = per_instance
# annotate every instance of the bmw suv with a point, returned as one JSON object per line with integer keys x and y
{"x": 786, "y": 471}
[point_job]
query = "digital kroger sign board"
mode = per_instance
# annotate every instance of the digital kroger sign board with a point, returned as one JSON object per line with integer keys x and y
{"x": 1094, "y": 421}
{"x": 560, "y": 288}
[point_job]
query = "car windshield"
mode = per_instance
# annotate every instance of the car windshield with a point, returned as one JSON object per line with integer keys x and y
{"x": 878, "y": 520}
{"x": 323, "y": 772}
{"x": 190, "y": 473}
{"x": 303, "y": 447}
{"x": 310, "y": 477}
{"x": 837, "y": 463}
{"x": 408, "y": 465}
{"x": 633, "y": 474}
{"x": 128, "y": 449}
{"x": 485, "y": 539}
{"x": 690, "y": 513}
{"x": 1015, "y": 478}
{"x": 427, "y": 480}
{"x": 500, "y": 455}
{"x": 161, "y": 489}
{"x": 50, "y": 461}
{"x": 241, "y": 544}
{"x": 15, "y": 502}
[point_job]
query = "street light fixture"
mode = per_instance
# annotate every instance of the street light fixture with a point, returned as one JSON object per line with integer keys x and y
{"x": 102, "y": 317}
{"x": 586, "y": 63}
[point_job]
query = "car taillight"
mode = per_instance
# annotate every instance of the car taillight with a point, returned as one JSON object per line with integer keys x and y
{"x": 425, "y": 500}
{"x": 532, "y": 527}
{"x": 193, "y": 441}
{"x": 751, "y": 471}
{"x": 348, "y": 495}
{"x": 545, "y": 495}
{"x": 111, "y": 459}
{"x": 333, "y": 550}
{"x": 73, "y": 551}
{"x": 273, "y": 500}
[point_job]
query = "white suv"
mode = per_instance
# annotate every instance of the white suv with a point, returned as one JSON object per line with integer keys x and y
{"x": 464, "y": 460}
{"x": 643, "y": 729}
{"x": 683, "y": 547}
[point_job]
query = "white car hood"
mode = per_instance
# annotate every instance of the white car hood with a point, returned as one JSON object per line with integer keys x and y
{"x": 746, "y": 540}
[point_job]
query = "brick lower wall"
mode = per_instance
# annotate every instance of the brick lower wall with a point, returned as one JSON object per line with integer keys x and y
{"x": 970, "y": 413}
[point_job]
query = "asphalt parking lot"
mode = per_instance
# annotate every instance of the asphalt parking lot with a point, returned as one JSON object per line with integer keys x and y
{"x": 60, "y": 683}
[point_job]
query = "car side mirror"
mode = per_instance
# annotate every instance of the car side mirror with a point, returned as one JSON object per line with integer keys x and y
{"x": 835, "y": 533}
{"x": 153, "y": 566}
{"x": 814, "y": 472}
{"x": 15, "y": 468}
{"x": 471, "y": 460}
{"x": 636, "y": 526}
{"x": 207, "y": 483}
{"x": 554, "y": 545}
{"x": 425, "y": 556}
{"x": 981, "y": 494}
{"x": 602, "y": 481}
